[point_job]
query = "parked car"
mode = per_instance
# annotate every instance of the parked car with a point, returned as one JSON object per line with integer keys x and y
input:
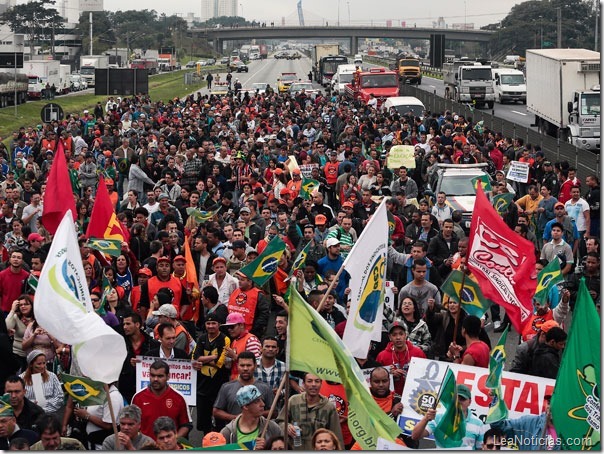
{"x": 297, "y": 87}
{"x": 210, "y": 61}
{"x": 190, "y": 64}
{"x": 224, "y": 60}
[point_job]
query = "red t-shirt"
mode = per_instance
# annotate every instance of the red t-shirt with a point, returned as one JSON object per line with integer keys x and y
{"x": 337, "y": 395}
{"x": 11, "y": 286}
{"x": 480, "y": 352}
{"x": 169, "y": 403}
{"x": 389, "y": 357}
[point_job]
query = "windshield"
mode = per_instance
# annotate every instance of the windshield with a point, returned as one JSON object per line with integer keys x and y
{"x": 86, "y": 71}
{"x": 590, "y": 104}
{"x": 458, "y": 185}
{"x": 409, "y": 62}
{"x": 331, "y": 66}
{"x": 512, "y": 79}
{"x": 32, "y": 80}
{"x": 404, "y": 109}
{"x": 296, "y": 87}
{"x": 288, "y": 77}
{"x": 345, "y": 78}
{"x": 379, "y": 81}
{"x": 477, "y": 73}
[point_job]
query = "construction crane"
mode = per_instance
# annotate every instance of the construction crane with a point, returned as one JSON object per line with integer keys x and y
{"x": 300, "y": 13}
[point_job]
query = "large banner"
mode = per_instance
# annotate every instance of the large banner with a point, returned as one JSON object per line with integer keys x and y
{"x": 523, "y": 394}
{"x": 401, "y": 155}
{"x": 183, "y": 378}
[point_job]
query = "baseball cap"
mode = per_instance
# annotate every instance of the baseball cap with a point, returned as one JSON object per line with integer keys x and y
{"x": 559, "y": 204}
{"x": 213, "y": 439}
{"x": 278, "y": 171}
{"x": 549, "y": 324}
{"x": 244, "y": 210}
{"x": 218, "y": 259}
{"x": 234, "y": 318}
{"x": 145, "y": 271}
{"x": 320, "y": 219}
{"x": 547, "y": 163}
{"x": 167, "y": 310}
{"x": 180, "y": 257}
{"x": 347, "y": 205}
{"x": 163, "y": 195}
{"x": 296, "y": 171}
{"x": 284, "y": 191}
{"x": 464, "y": 391}
{"x": 247, "y": 395}
{"x": 397, "y": 324}
{"x": 213, "y": 317}
{"x": 163, "y": 259}
{"x": 332, "y": 242}
{"x": 34, "y": 237}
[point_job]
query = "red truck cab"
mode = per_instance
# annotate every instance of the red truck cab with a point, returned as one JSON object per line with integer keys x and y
{"x": 379, "y": 82}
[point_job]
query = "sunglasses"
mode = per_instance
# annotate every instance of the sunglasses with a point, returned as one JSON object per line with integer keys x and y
{"x": 94, "y": 299}
{"x": 493, "y": 446}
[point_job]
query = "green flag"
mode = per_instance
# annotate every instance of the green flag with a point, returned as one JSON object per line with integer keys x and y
{"x": 315, "y": 347}
{"x": 502, "y": 201}
{"x": 32, "y": 281}
{"x": 546, "y": 279}
{"x": 451, "y": 426}
{"x": 484, "y": 179}
{"x": 106, "y": 287}
{"x": 300, "y": 261}
{"x": 498, "y": 410}
{"x": 200, "y": 216}
{"x": 308, "y": 186}
{"x": 84, "y": 390}
{"x": 109, "y": 247}
{"x": 472, "y": 300}
{"x": 262, "y": 268}
{"x": 575, "y": 405}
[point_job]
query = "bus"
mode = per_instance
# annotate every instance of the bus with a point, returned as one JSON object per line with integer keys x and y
{"x": 328, "y": 67}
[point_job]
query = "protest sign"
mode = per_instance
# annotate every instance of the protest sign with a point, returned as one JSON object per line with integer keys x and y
{"x": 182, "y": 376}
{"x": 389, "y": 296}
{"x": 519, "y": 171}
{"x": 401, "y": 155}
{"x": 306, "y": 169}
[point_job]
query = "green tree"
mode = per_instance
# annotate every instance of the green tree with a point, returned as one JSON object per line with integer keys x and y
{"x": 36, "y": 20}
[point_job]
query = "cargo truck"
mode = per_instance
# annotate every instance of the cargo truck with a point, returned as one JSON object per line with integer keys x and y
{"x": 379, "y": 82}
{"x": 89, "y": 63}
{"x": 150, "y": 64}
{"x": 317, "y": 52}
{"x": 563, "y": 92}
{"x": 9, "y": 88}
{"x": 263, "y": 51}
{"x": 409, "y": 70}
{"x": 166, "y": 62}
{"x": 40, "y": 73}
{"x": 64, "y": 79}
{"x": 509, "y": 85}
{"x": 468, "y": 81}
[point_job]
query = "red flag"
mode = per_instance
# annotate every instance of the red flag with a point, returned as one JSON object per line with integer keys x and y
{"x": 502, "y": 261}
{"x": 59, "y": 194}
{"x": 192, "y": 282}
{"x": 103, "y": 221}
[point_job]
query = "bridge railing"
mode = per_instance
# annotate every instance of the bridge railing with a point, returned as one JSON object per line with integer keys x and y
{"x": 586, "y": 162}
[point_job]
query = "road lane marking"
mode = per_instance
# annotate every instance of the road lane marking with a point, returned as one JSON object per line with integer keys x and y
{"x": 519, "y": 113}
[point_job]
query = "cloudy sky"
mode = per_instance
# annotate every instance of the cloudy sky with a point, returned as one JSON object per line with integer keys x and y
{"x": 422, "y": 13}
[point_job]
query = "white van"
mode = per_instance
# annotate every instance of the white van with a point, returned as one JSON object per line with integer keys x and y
{"x": 342, "y": 76}
{"x": 358, "y": 59}
{"x": 509, "y": 85}
{"x": 402, "y": 105}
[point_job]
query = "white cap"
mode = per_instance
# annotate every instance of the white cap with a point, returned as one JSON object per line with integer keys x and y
{"x": 332, "y": 242}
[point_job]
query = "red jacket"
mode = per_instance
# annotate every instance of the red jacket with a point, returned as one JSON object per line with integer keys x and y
{"x": 389, "y": 357}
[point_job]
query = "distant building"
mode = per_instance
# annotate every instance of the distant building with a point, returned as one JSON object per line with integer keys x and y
{"x": 217, "y": 8}
{"x": 73, "y": 9}
{"x": 462, "y": 26}
{"x": 6, "y": 4}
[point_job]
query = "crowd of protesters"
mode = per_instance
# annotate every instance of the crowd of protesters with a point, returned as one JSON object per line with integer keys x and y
{"x": 232, "y": 157}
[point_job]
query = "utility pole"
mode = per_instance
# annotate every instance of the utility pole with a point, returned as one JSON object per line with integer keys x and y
{"x": 596, "y": 48}
{"x": 559, "y": 27}
{"x": 90, "y": 19}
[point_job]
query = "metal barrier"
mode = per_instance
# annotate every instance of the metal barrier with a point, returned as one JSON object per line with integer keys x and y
{"x": 586, "y": 162}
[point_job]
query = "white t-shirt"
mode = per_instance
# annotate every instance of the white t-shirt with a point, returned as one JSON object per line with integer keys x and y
{"x": 576, "y": 212}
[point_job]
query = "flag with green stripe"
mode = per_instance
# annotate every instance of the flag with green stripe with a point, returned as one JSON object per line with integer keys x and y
{"x": 469, "y": 296}
{"x": 498, "y": 410}
{"x": 84, "y": 391}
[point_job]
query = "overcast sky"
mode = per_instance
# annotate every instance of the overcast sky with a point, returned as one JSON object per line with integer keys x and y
{"x": 422, "y": 13}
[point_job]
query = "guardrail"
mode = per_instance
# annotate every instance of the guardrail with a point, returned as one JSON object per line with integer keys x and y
{"x": 586, "y": 162}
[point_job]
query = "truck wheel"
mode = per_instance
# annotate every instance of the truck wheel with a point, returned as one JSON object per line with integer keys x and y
{"x": 419, "y": 81}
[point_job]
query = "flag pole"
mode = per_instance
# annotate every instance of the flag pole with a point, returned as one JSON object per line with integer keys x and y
{"x": 463, "y": 282}
{"x": 275, "y": 401}
{"x": 440, "y": 390}
{"x": 113, "y": 422}
{"x": 330, "y": 288}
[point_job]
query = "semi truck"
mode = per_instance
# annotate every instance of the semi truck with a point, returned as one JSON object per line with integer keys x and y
{"x": 469, "y": 81}
{"x": 89, "y": 63}
{"x": 380, "y": 82}
{"x": 40, "y": 73}
{"x": 563, "y": 92}
{"x": 317, "y": 52}
{"x": 11, "y": 89}
{"x": 150, "y": 64}
{"x": 166, "y": 62}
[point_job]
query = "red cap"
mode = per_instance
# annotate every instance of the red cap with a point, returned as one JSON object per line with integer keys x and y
{"x": 180, "y": 258}
{"x": 145, "y": 271}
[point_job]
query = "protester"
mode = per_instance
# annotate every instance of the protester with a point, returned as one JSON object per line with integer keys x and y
{"x": 129, "y": 436}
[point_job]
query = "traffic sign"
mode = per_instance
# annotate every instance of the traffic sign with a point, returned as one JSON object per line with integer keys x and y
{"x": 51, "y": 112}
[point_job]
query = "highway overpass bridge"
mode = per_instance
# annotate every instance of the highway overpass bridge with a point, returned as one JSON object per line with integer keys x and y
{"x": 218, "y": 36}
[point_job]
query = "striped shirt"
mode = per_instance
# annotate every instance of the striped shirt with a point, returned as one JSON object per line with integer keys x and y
{"x": 52, "y": 393}
{"x": 271, "y": 376}
{"x": 346, "y": 239}
{"x": 475, "y": 430}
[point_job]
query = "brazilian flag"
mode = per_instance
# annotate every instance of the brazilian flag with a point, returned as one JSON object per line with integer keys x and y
{"x": 308, "y": 186}
{"x": 84, "y": 390}
{"x": 264, "y": 266}
{"x": 200, "y": 216}
{"x": 451, "y": 427}
{"x": 107, "y": 287}
{"x": 502, "y": 201}
{"x": 547, "y": 278}
{"x": 484, "y": 179}
{"x": 470, "y": 297}
{"x": 498, "y": 410}
{"x": 300, "y": 260}
{"x": 109, "y": 247}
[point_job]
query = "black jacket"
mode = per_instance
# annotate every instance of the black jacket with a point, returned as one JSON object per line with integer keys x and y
{"x": 178, "y": 353}
{"x": 546, "y": 362}
{"x": 439, "y": 250}
{"x": 127, "y": 381}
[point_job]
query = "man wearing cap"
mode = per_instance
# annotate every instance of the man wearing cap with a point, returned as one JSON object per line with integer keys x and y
{"x": 474, "y": 426}
{"x": 241, "y": 340}
{"x": 144, "y": 274}
{"x": 251, "y": 303}
{"x": 9, "y": 429}
{"x": 163, "y": 279}
{"x": 523, "y": 360}
{"x": 334, "y": 261}
{"x": 320, "y": 231}
{"x": 295, "y": 184}
{"x": 344, "y": 234}
{"x": 159, "y": 399}
{"x": 249, "y": 426}
{"x": 238, "y": 258}
{"x": 129, "y": 436}
{"x": 209, "y": 360}
{"x": 226, "y": 407}
{"x": 550, "y": 179}
{"x": 398, "y": 354}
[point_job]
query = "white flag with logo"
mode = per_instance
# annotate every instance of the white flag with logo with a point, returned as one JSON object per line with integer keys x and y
{"x": 64, "y": 309}
{"x": 366, "y": 265}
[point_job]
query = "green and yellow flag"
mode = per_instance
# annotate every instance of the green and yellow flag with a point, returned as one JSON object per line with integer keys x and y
{"x": 308, "y": 186}
{"x": 502, "y": 201}
{"x": 547, "y": 278}
{"x": 498, "y": 410}
{"x": 109, "y": 247}
{"x": 450, "y": 428}
{"x": 576, "y": 401}
{"x": 300, "y": 260}
{"x": 106, "y": 288}
{"x": 200, "y": 216}
{"x": 315, "y": 347}
{"x": 484, "y": 179}
{"x": 262, "y": 268}
{"x": 472, "y": 300}
{"x": 84, "y": 390}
